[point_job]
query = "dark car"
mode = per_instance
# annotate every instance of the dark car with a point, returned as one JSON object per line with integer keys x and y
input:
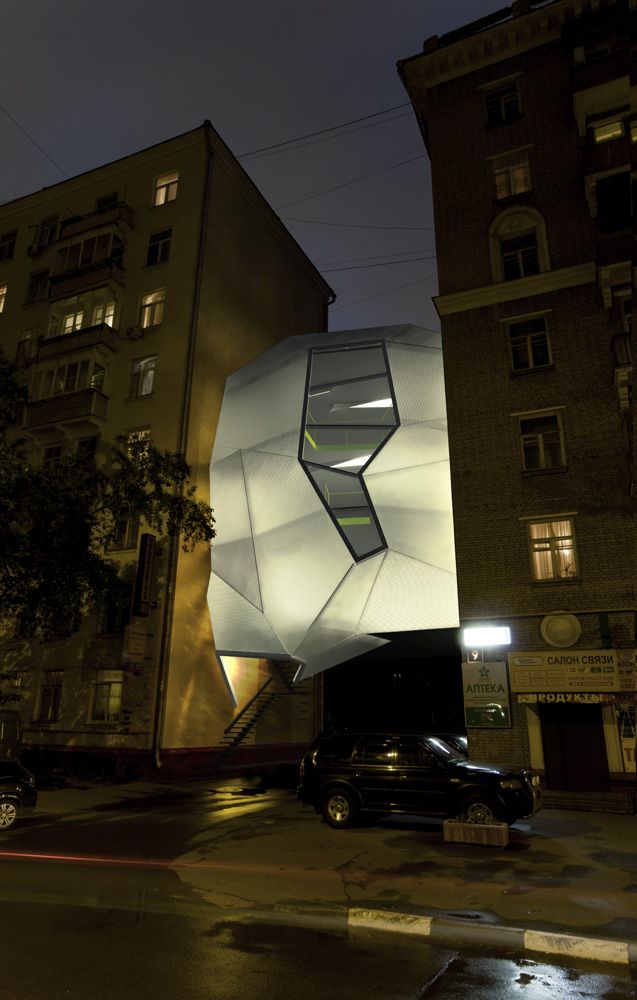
{"x": 457, "y": 741}
{"x": 345, "y": 774}
{"x": 18, "y": 794}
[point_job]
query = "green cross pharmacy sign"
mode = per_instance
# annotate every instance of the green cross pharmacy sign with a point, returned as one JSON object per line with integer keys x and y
{"x": 486, "y": 695}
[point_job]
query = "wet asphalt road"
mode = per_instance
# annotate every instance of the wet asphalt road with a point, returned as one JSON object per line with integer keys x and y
{"x": 101, "y": 914}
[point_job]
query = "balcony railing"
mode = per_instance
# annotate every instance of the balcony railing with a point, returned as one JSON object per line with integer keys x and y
{"x": 121, "y": 212}
{"x": 77, "y": 340}
{"x": 71, "y": 407}
{"x": 99, "y": 272}
{"x": 607, "y": 155}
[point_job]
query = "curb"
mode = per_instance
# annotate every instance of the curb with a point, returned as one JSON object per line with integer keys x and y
{"x": 352, "y": 920}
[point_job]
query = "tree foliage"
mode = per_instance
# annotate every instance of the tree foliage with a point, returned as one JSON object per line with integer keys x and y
{"x": 58, "y": 522}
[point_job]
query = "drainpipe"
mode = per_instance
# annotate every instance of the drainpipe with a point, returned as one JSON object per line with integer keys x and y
{"x": 173, "y": 541}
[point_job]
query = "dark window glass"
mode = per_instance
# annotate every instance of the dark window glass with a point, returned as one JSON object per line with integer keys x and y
{"x": 106, "y": 201}
{"x": 159, "y": 247}
{"x": 529, "y": 344}
{"x": 519, "y": 257}
{"x": 503, "y": 105}
{"x": 411, "y": 753}
{"x": 7, "y": 245}
{"x": 38, "y": 286}
{"x": 379, "y": 751}
{"x": 48, "y": 230}
{"x": 613, "y": 202}
{"x": 336, "y": 748}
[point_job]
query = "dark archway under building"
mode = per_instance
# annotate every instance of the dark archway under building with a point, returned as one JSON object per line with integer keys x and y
{"x": 414, "y": 683}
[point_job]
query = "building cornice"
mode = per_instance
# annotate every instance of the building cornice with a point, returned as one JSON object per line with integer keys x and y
{"x": 521, "y": 288}
{"x": 504, "y": 40}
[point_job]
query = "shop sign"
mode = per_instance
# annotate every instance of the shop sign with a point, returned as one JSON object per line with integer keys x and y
{"x": 628, "y": 748}
{"x": 486, "y": 695}
{"x": 566, "y": 698}
{"x": 573, "y": 670}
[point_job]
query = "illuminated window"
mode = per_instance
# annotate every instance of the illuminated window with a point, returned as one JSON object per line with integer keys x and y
{"x": 143, "y": 376}
{"x": 72, "y": 321}
{"x": 3, "y": 296}
{"x": 165, "y": 188}
{"x": 106, "y": 696}
{"x": 7, "y": 245}
{"x": 529, "y": 341}
{"x": 67, "y": 377}
{"x": 542, "y": 442}
{"x": 50, "y": 696}
{"x": 104, "y": 313}
{"x": 633, "y": 130}
{"x": 512, "y": 175}
{"x": 552, "y": 546}
{"x": 159, "y": 247}
{"x": 152, "y": 308}
{"x": 503, "y": 104}
{"x": 137, "y": 442}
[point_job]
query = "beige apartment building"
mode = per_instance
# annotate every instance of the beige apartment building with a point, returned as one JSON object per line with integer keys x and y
{"x": 526, "y": 116}
{"x": 128, "y": 294}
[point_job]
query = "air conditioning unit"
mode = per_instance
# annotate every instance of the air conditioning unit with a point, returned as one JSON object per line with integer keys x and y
{"x": 134, "y": 333}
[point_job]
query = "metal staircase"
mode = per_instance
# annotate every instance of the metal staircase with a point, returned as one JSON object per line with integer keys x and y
{"x": 278, "y": 685}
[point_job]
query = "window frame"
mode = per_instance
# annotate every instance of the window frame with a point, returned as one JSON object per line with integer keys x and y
{"x": 505, "y": 115}
{"x": 141, "y": 370}
{"x": 53, "y": 689}
{"x": 165, "y": 188}
{"x": 552, "y": 549}
{"x": 525, "y": 338}
{"x": 106, "y": 679}
{"x": 542, "y": 445}
{"x": 153, "y": 308}
{"x": 506, "y": 166}
{"x": 4, "y": 291}
{"x": 159, "y": 246}
{"x": 38, "y": 283}
{"x": 7, "y": 244}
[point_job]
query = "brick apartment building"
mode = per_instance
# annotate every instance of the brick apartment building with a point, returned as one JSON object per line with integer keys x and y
{"x": 526, "y": 117}
{"x": 128, "y": 294}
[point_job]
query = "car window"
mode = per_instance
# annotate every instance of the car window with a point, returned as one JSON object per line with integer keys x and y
{"x": 336, "y": 748}
{"x": 442, "y": 749}
{"x": 414, "y": 754}
{"x": 376, "y": 751}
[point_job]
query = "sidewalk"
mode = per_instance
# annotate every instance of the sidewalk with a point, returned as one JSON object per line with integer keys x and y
{"x": 567, "y": 882}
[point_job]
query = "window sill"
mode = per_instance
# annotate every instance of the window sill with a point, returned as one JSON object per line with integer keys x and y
{"x": 510, "y": 120}
{"x": 511, "y": 199}
{"x": 136, "y": 399}
{"x": 558, "y": 582}
{"x": 531, "y": 473}
{"x": 515, "y": 372}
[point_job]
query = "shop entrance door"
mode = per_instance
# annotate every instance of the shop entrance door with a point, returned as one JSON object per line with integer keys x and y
{"x": 575, "y": 756}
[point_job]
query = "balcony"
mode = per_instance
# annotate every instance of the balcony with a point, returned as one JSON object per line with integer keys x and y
{"x": 87, "y": 406}
{"x": 121, "y": 212}
{"x": 600, "y": 71}
{"x": 101, "y": 333}
{"x": 78, "y": 279}
{"x": 607, "y": 155}
{"x": 614, "y": 254}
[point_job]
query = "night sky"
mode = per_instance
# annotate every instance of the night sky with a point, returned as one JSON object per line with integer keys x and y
{"x": 90, "y": 82}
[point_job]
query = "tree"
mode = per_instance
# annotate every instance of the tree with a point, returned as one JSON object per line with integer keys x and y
{"x": 57, "y": 522}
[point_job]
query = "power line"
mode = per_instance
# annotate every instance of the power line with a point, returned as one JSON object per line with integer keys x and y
{"x": 377, "y": 257}
{"x": 357, "y": 225}
{"x": 325, "y": 138}
{"x": 332, "y": 128}
{"x": 387, "y": 291}
{"x": 362, "y": 177}
{"x": 31, "y": 139}
{"x": 387, "y": 263}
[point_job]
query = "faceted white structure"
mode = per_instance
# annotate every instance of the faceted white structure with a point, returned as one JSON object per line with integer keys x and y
{"x": 331, "y": 491}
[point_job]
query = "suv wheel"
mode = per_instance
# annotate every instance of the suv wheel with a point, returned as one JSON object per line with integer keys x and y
{"x": 339, "y": 807}
{"x": 8, "y": 814}
{"x": 478, "y": 809}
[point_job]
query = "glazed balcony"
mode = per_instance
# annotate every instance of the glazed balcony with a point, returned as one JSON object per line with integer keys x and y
{"x": 614, "y": 253}
{"x": 607, "y": 155}
{"x": 85, "y": 405}
{"x": 111, "y": 216}
{"x": 85, "y": 276}
{"x": 78, "y": 340}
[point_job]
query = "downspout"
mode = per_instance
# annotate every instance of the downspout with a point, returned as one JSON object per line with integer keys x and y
{"x": 173, "y": 541}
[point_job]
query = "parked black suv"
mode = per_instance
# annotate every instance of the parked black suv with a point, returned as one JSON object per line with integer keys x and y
{"x": 344, "y": 774}
{"x": 17, "y": 792}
